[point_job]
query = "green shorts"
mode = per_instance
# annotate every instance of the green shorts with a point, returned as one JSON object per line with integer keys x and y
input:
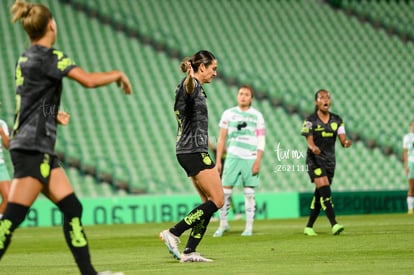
{"x": 411, "y": 170}
{"x": 4, "y": 174}
{"x": 236, "y": 170}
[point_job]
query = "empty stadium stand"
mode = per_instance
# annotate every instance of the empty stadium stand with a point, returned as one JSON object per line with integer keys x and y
{"x": 285, "y": 49}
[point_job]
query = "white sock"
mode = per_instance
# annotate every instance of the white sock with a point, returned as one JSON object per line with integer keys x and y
{"x": 224, "y": 211}
{"x": 410, "y": 203}
{"x": 250, "y": 207}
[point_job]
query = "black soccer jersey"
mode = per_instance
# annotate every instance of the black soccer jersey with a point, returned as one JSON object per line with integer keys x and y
{"x": 192, "y": 118}
{"x": 39, "y": 73}
{"x": 324, "y": 136}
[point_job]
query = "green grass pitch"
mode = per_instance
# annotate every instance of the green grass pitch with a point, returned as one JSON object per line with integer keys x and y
{"x": 370, "y": 244}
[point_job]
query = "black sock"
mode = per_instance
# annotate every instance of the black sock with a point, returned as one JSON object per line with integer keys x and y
{"x": 315, "y": 209}
{"x": 326, "y": 203}
{"x": 200, "y": 214}
{"x": 197, "y": 233}
{"x": 13, "y": 216}
{"x": 74, "y": 234}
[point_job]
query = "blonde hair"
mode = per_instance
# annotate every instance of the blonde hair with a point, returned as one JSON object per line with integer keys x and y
{"x": 34, "y": 17}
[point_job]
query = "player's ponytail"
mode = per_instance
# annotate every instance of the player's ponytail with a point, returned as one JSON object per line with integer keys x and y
{"x": 200, "y": 57}
{"x": 20, "y": 10}
{"x": 34, "y": 17}
{"x": 183, "y": 65}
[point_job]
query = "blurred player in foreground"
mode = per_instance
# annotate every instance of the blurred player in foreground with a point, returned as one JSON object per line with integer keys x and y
{"x": 39, "y": 73}
{"x": 4, "y": 174}
{"x": 321, "y": 130}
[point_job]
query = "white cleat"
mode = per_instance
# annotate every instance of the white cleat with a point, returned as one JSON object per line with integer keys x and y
{"x": 171, "y": 241}
{"x": 247, "y": 233}
{"x": 193, "y": 257}
{"x": 110, "y": 273}
{"x": 219, "y": 232}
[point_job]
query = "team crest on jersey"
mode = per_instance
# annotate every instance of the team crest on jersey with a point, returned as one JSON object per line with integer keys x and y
{"x": 206, "y": 159}
{"x": 317, "y": 171}
{"x": 334, "y": 126}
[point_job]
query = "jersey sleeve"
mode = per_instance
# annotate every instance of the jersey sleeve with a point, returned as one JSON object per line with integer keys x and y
{"x": 60, "y": 65}
{"x": 307, "y": 128}
{"x": 406, "y": 142}
{"x": 341, "y": 128}
{"x": 260, "y": 127}
{"x": 188, "y": 97}
{"x": 224, "y": 121}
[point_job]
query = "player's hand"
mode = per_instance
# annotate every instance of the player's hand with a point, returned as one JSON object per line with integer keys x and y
{"x": 63, "y": 118}
{"x": 256, "y": 168}
{"x": 219, "y": 167}
{"x": 316, "y": 150}
{"x": 347, "y": 143}
{"x": 123, "y": 82}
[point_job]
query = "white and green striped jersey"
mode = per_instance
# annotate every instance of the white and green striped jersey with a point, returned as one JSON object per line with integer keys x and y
{"x": 243, "y": 128}
{"x": 6, "y": 131}
{"x": 408, "y": 143}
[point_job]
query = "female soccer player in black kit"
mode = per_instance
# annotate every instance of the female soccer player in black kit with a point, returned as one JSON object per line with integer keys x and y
{"x": 192, "y": 154}
{"x": 39, "y": 73}
{"x": 321, "y": 129}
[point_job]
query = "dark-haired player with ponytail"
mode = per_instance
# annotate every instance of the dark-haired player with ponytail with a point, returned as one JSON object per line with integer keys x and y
{"x": 321, "y": 130}
{"x": 39, "y": 73}
{"x": 192, "y": 153}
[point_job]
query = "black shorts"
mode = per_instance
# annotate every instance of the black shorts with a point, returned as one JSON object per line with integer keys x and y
{"x": 33, "y": 164}
{"x": 317, "y": 171}
{"x": 193, "y": 163}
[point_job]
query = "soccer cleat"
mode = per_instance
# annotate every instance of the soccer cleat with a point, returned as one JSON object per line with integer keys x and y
{"x": 337, "y": 229}
{"x": 219, "y": 232}
{"x": 171, "y": 241}
{"x": 193, "y": 257}
{"x": 410, "y": 211}
{"x": 110, "y": 273}
{"x": 309, "y": 231}
{"x": 247, "y": 233}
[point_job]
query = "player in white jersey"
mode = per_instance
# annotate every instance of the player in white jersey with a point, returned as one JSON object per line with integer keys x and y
{"x": 242, "y": 133}
{"x": 4, "y": 174}
{"x": 408, "y": 145}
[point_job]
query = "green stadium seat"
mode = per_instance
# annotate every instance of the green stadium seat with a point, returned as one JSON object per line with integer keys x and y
{"x": 287, "y": 49}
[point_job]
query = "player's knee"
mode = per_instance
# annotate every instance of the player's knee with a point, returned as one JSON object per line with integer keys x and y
{"x": 219, "y": 201}
{"x": 70, "y": 206}
{"x": 15, "y": 214}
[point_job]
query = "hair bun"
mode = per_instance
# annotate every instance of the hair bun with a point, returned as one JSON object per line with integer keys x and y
{"x": 28, "y": 7}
